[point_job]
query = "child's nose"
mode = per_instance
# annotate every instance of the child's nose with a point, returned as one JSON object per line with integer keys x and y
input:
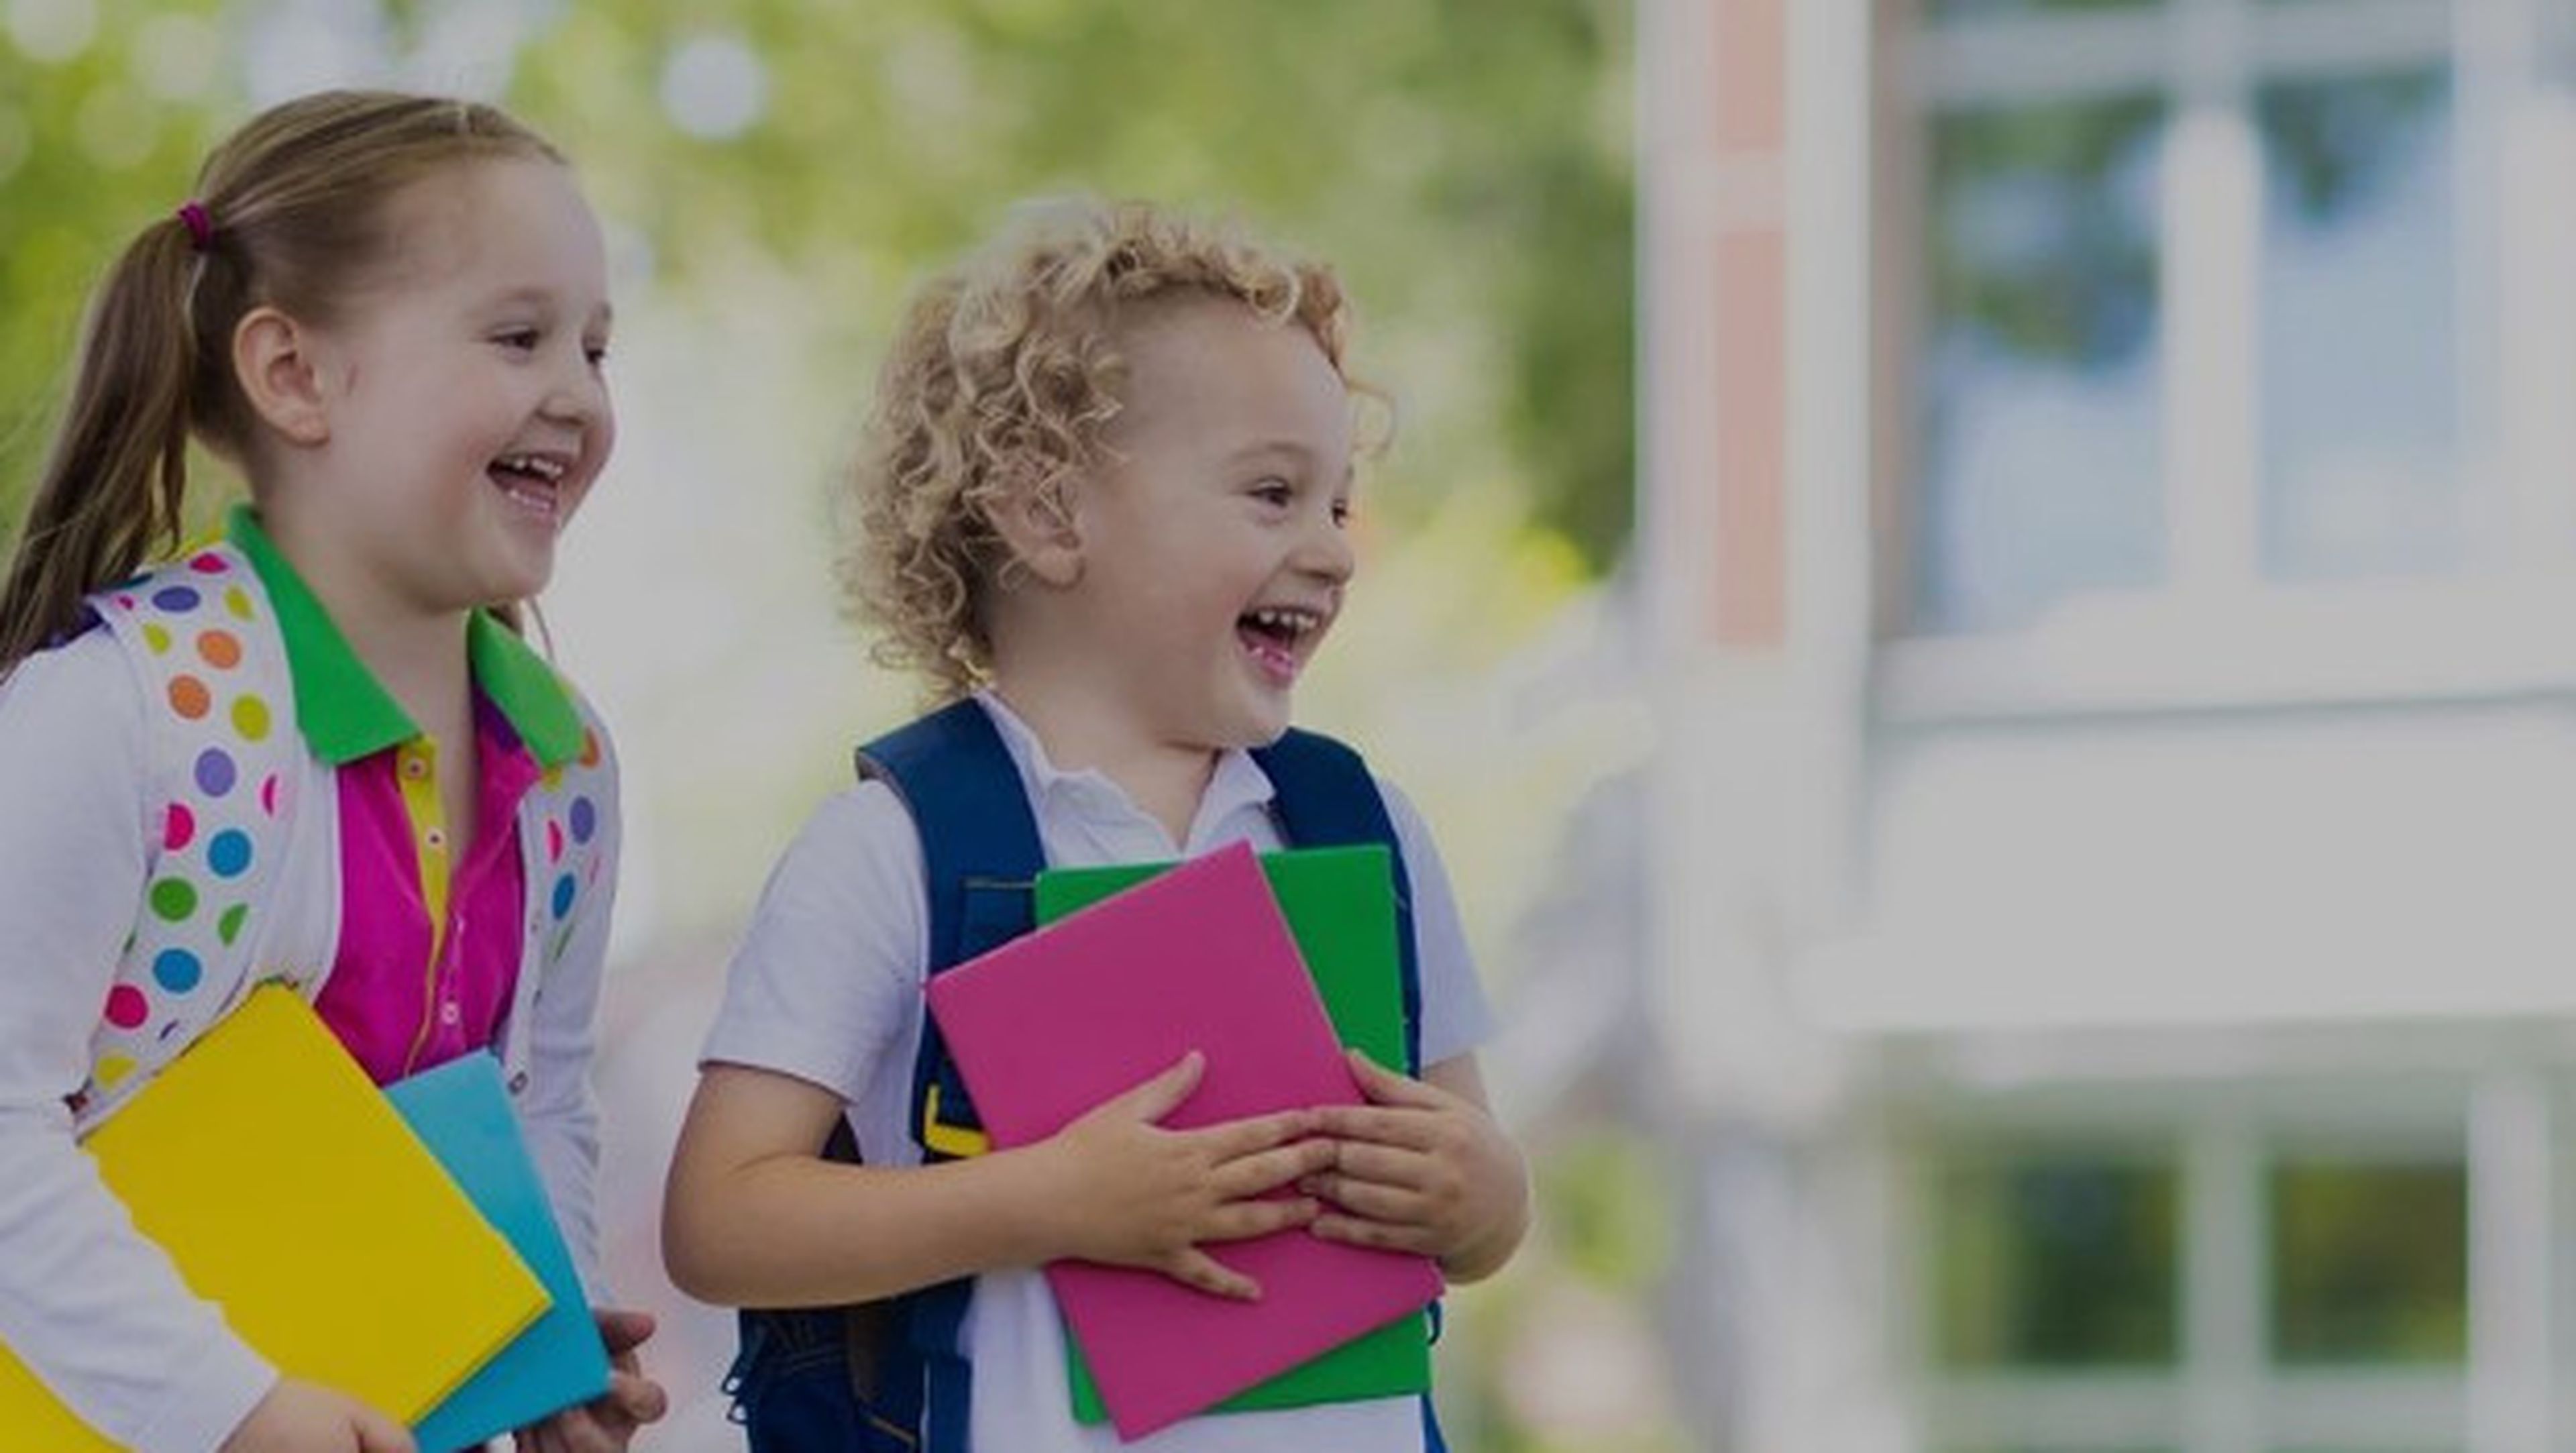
{"x": 1327, "y": 551}
{"x": 580, "y": 394}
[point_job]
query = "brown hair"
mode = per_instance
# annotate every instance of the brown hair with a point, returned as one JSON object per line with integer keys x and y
{"x": 1001, "y": 379}
{"x": 294, "y": 215}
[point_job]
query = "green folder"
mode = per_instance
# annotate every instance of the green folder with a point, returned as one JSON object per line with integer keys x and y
{"x": 1340, "y": 906}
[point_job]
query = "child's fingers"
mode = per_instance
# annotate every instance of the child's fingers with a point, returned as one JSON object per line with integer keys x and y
{"x": 1384, "y": 1086}
{"x": 605, "y": 1424}
{"x": 1260, "y": 1171}
{"x": 1385, "y": 1165}
{"x": 1375, "y": 1200}
{"x": 579, "y": 1430}
{"x": 1153, "y": 1099}
{"x": 1407, "y": 1128}
{"x": 1243, "y": 1220}
{"x": 378, "y": 1433}
{"x": 635, "y": 1399}
{"x": 1192, "y": 1267}
{"x": 622, "y": 1330}
{"x": 1235, "y": 1139}
{"x": 1377, "y": 1235}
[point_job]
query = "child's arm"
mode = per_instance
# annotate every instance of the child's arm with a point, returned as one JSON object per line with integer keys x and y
{"x": 1424, "y": 1167}
{"x": 754, "y": 1217}
{"x": 84, "y": 1298}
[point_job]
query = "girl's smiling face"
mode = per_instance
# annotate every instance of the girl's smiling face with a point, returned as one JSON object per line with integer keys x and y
{"x": 467, "y": 412}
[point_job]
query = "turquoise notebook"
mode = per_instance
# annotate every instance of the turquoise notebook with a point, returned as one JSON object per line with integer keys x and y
{"x": 460, "y": 1111}
{"x": 1340, "y": 907}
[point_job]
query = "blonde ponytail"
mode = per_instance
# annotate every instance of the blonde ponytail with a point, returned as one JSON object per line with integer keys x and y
{"x": 290, "y": 212}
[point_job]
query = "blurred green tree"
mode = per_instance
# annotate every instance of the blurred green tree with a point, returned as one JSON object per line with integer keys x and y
{"x": 1468, "y": 167}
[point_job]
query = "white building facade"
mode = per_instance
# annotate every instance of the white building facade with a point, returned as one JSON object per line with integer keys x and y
{"x": 2109, "y": 535}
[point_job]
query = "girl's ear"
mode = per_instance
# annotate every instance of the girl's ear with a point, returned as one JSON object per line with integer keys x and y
{"x": 273, "y": 356}
{"x": 1039, "y": 528}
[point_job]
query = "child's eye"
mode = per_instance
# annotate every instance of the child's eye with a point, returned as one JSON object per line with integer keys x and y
{"x": 1341, "y": 513}
{"x": 597, "y": 353}
{"x": 1274, "y": 492}
{"x": 522, "y": 340}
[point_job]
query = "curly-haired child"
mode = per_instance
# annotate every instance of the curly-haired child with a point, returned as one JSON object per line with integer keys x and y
{"x": 1103, "y": 504}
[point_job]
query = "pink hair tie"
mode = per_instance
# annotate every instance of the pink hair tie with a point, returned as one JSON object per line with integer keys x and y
{"x": 201, "y": 228}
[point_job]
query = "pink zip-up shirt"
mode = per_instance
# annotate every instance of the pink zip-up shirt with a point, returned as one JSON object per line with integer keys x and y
{"x": 429, "y": 947}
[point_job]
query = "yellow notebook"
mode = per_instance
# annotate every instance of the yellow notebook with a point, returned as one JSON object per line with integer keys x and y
{"x": 285, "y": 1187}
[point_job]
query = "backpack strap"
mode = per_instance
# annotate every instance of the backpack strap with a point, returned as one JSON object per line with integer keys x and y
{"x": 980, "y": 861}
{"x": 893, "y": 1374}
{"x": 1328, "y": 798}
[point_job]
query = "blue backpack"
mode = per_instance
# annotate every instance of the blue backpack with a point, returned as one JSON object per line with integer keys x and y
{"x": 890, "y": 1376}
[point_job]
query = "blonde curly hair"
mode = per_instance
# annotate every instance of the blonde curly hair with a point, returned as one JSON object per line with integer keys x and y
{"x": 1002, "y": 378}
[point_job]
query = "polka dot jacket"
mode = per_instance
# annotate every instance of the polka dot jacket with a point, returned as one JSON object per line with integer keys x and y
{"x": 232, "y": 781}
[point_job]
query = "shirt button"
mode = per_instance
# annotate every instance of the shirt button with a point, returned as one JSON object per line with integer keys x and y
{"x": 415, "y": 768}
{"x": 519, "y": 1082}
{"x": 434, "y": 838}
{"x": 450, "y": 1015}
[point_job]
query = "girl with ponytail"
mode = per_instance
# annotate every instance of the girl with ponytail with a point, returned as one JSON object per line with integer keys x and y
{"x": 314, "y": 751}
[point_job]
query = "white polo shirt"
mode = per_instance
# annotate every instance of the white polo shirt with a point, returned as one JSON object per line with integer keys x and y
{"x": 827, "y": 988}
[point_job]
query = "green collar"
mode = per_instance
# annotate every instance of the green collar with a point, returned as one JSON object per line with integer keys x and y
{"x": 345, "y": 713}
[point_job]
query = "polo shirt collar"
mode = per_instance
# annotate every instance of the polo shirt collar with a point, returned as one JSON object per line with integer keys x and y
{"x": 345, "y": 713}
{"x": 1238, "y": 781}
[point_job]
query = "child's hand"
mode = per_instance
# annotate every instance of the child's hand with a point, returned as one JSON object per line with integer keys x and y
{"x": 1134, "y": 1194}
{"x": 301, "y": 1417}
{"x": 1423, "y": 1169}
{"x": 605, "y": 1423}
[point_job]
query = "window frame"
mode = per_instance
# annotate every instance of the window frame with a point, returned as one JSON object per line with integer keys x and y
{"x": 2223, "y": 1393}
{"x": 2217, "y": 633}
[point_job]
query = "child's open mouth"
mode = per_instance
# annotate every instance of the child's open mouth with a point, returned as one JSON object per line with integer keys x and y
{"x": 533, "y": 482}
{"x": 1275, "y": 635}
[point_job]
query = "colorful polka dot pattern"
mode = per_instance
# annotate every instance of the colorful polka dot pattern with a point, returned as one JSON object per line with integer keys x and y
{"x": 563, "y": 854}
{"x": 198, "y": 625}
{"x": 562, "y": 846}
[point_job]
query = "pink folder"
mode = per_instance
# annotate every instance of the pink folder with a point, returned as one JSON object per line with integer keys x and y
{"x": 1050, "y": 1025}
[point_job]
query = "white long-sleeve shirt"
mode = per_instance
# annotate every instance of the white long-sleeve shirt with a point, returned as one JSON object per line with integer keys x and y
{"x": 87, "y": 1302}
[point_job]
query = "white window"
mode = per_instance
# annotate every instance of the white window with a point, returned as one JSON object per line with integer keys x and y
{"x": 2238, "y": 350}
{"x": 2202, "y": 1268}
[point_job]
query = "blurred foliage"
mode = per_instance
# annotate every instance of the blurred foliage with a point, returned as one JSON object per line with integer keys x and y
{"x": 101, "y": 129}
{"x": 2370, "y": 1263}
{"x": 1467, "y": 166}
{"x": 1563, "y": 1353}
{"x": 1606, "y": 1197}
